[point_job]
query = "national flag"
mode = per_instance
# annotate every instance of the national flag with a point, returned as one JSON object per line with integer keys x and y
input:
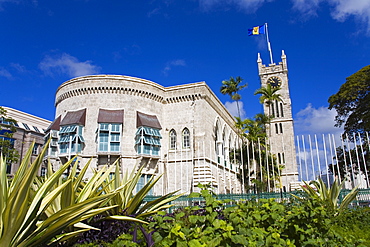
{"x": 256, "y": 30}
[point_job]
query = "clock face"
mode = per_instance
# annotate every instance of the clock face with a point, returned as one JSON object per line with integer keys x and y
{"x": 274, "y": 81}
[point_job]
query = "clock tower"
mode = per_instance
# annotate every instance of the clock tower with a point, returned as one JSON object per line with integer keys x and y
{"x": 280, "y": 130}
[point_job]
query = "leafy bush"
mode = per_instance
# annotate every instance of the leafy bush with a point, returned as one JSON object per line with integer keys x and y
{"x": 354, "y": 226}
{"x": 252, "y": 223}
{"x": 266, "y": 222}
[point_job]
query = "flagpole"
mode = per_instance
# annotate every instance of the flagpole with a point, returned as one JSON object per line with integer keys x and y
{"x": 268, "y": 44}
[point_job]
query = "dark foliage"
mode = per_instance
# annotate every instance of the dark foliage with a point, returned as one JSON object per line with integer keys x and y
{"x": 349, "y": 162}
{"x": 109, "y": 231}
{"x": 352, "y": 103}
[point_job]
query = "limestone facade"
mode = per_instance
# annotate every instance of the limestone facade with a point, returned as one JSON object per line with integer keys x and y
{"x": 196, "y": 131}
{"x": 30, "y": 129}
{"x": 281, "y": 132}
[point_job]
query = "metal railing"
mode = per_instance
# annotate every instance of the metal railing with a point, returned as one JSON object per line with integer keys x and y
{"x": 362, "y": 198}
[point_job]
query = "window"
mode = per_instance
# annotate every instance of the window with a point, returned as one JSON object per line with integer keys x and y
{"x": 173, "y": 138}
{"x": 186, "y": 138}
{"x": 37, "y": 130}
{"x": 43, "y": 171}
{"x": 281, "y": 158}
{"x": 279, "y": 128}
{"x": 148, "y": 141}
{"x": 109, "y": 137}
{"x": 35, "y": 150}
{"x": 277, "y": 108}
{"x": 281, "y": 109}
{"x": 8, "y": 121}
{"x": 272, "y": 107}
{"x": 143, "y": 180}
{"x": 71, "y": 139}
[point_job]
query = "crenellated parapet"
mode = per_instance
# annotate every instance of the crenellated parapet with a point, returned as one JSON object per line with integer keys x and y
{"x": 281, "y": 67}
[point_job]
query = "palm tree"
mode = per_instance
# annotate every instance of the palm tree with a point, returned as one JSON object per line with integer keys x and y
{"x": 268, "y": 96}
{"x": 231, "y": 88}
{"x": 260, "y": 163}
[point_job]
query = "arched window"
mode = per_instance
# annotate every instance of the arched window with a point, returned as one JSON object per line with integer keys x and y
{"x": 277, "y": 108}
{"x": 281, "y": 128}
{"x": 186, "y": 138}
{"x": 281, "y": 109}
{"x": 272, "y": 107}
{"x": 217, "y": 150}
{"x": 173, "y": 138}
{"x": 223, "y": 142}
{"x": 276, "y": 129}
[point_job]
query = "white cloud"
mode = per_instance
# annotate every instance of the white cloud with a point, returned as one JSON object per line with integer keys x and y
{"x": 316, "y": 121}
{"x": 67, "y": 64}
{"x": 173, "y": 63}
{"x": 19, "y": 68}
{"x": 307, "y": 7}
{"x": 246, "y": 5}
{"x": 360, "y": 9}
{"x": 232, "y": 107}
{"x": 5, "y": 73}
{"x": 342, "y": 9}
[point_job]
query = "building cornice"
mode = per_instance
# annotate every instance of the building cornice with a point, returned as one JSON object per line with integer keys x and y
{"x": 172, "y": 94}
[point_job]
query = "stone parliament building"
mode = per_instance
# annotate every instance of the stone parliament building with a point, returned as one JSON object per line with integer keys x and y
{"x": 183, "y": 132}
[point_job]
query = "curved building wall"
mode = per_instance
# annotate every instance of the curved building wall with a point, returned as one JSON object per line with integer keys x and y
{"x": 193, "y": 107}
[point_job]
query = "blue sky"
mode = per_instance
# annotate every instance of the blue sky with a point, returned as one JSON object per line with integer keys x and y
{"x": 45, "y": 43}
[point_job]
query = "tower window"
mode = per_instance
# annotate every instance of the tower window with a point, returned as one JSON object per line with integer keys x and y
{"x": 281, "y": 110}
{"x": 277, "y": 108}
{"x": 281, "y": 128}
{"x": 272, "y": 107}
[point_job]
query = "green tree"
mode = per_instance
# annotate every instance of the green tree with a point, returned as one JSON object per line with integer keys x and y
{"x": 7, "y": 129}
{"x": 232, "y": 88}
{"x": 348, "y": 163}
{"x": 263, "y": 164}
{"x": 352, "y": 103}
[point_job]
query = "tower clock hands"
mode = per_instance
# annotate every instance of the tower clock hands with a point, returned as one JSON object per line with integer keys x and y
{"x": 274, "y": 81}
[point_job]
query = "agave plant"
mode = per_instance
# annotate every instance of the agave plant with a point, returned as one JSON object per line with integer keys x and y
{"x": 25, "y": 201}
{"x": 131, "y": 203}
{"x": 329, "y": 197}
{"x": 80, "y": 190}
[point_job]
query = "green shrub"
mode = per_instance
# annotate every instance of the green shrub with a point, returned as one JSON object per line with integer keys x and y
{"x": 265, "y": 222}
{"x": 354, "y": 226}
